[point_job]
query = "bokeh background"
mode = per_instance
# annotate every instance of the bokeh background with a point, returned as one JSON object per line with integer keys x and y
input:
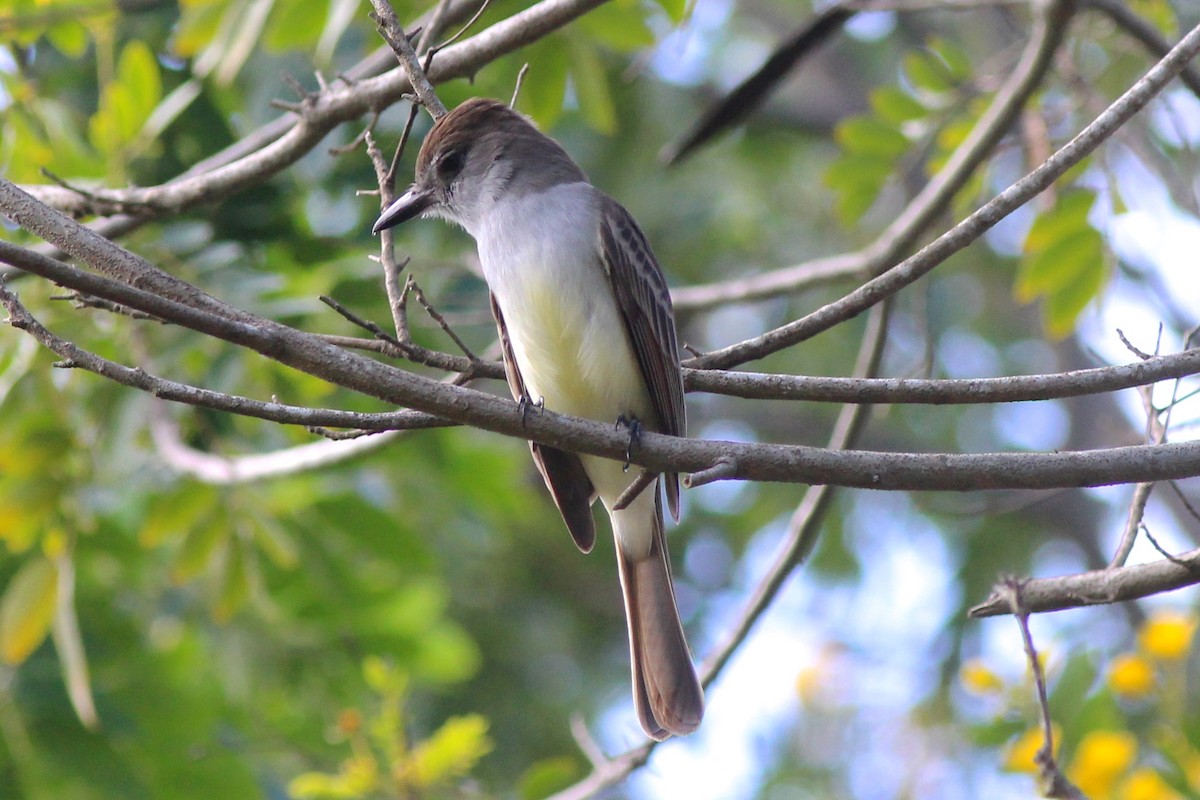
{"x": 413, "y": 621}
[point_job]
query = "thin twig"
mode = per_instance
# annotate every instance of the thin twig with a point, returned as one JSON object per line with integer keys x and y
{"x": 1049, "y": 29}
{"x": 282, "y": 143}
{"x": 644, "y": 479}
{"x": 393, "y": 33}
{"x": 1099, "y": 587}
{"x": 1054, "y": 783}
{"x": 517, "y": 87}
{"x": 659, "y": 453}
{"x": 805, "y": 524}
{"x": 1146, "y": 34}
{"x": 412, "y": 286}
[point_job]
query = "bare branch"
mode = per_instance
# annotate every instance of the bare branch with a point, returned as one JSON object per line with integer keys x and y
{"x": 393, "y": 34}
{"x": 1054, "y": 783}
{"x": 327, "y": 110}
{"x": 804, "y": 526}
{"x": 1100, "y": 587}
{"x": 1074, "y": 383}
{"x": 1146, "y": 34}
{"x": 76, "y": 357}
{"x": 899, "y": 237}
{"x": 226, "y": 470}
{"x": 659, "y": 453}
{"x": 750, "y": 93}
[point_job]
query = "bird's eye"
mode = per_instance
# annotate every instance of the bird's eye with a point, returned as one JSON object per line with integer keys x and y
{"x": 452, "y": 163}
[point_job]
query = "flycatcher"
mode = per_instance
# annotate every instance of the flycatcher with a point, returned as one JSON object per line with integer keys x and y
{"x": 587, "y": 329}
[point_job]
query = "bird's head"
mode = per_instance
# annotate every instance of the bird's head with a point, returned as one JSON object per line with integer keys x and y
{"x": 477, "y": 153}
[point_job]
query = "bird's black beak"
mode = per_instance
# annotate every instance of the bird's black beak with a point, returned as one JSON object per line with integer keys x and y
{"x": 408, "y": 205}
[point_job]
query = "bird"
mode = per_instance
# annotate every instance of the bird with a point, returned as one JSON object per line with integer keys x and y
{"x": 587, "y": 329}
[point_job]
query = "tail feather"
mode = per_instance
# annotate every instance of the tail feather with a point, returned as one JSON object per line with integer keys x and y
{"x": 666, "y": 691}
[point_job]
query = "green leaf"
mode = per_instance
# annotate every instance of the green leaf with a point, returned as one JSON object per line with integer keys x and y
{"x": 138, "y": 72}
{"x": 997, "y": 732}
{"x": 545, "y": 85}
{"x": 1064, "y": 261}
{"x": 234, "y": 582}
{"x": 868, "y": 136}
{"x": 176, "y": 513}
{"x": 1054, "y": 267}
{"x": 956, "y": 60}
{"x": 895, "y": 106}
{"x": 447, "y": 655}
{"x": 949, "y": 138}
{"x": 1158, "y": 13}
{"x": 452, "y": 751}
{"x": 1064, "y": 307}
{"x": 591, "y": 87}
{"x": 547, "y": 776}
{"x": 27, "y": 609}
{"x": 70, "y": 151}
{"x": 199, "y": 547}
{"x": 313, "y": 786}
{"x": 69, "y": 38}
{"x": 384, "y": 678}
{"x": 23, "y": 151}
{"x": 1069, "y": 215}
{"x": 621, "y": 26}
{"x": 199, "y": 22}
{"x": 849, "y": 171}
{"x": 275, "y": 541}
{"x": 677, "y": 10}
{"x": 858, "y": 180}
{"x": 295, "y": 25}
{"x": 927, "y": 72}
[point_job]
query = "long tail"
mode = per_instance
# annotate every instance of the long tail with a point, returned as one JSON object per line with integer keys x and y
{"x": 666, "y": 691}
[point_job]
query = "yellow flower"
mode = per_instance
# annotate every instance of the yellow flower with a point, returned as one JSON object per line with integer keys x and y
{"x": 1167, "y": 635}
{"x": 809, "y": 681}
{"x": 1021, "y": 752}
{"x": 1131, "y": 675}
{"x": 1101, "y": 758}
{"x": 979, "y": 678}
{"x": 1146, "y": 784}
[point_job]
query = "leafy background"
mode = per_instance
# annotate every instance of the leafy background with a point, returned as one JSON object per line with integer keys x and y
{"x": 414, "y": 622}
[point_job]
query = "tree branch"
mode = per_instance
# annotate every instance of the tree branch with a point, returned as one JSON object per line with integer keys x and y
{"x": 393, "y": 34}
{"x": 76, "y": 357}
{"x": 660, "y": 453}
{"x": 805, "y": 523}
{"x": 1054, "y": 782}
{"x": 899, "y": 237}
{"x": 1074, "y": 383}
{"x": 974, "y": 226}
{"x": 323, "y": 111}
{"x": 1146, "y": 34}
{"x": 1099, "y": 587}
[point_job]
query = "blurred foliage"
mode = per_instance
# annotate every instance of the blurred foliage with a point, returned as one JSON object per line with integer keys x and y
{"x": 383, "y": 762}
{"x": 415, "y": 619}
{"x": 1124, "y": 737}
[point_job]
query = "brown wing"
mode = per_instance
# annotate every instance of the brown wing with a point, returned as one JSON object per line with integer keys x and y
{"x": 645, "y": 301}
{"x": 563, "y": 472}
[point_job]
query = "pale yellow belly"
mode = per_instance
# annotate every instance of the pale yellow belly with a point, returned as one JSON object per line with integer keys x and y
{"x": 574, "y": 356}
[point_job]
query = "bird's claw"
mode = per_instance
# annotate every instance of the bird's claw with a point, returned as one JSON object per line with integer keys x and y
{"x": 635, "y": 433}
{"x": 525, "y": 402}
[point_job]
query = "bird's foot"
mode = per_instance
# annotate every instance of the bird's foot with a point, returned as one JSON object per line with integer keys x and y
{"x": 635, "y": 434}
{"x": 525, "y": 402}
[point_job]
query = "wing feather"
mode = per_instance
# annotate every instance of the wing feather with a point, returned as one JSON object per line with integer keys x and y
{"x": 642, "y": 295}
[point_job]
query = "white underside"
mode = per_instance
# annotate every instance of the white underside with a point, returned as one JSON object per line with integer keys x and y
{"x": 567, "y": 333}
